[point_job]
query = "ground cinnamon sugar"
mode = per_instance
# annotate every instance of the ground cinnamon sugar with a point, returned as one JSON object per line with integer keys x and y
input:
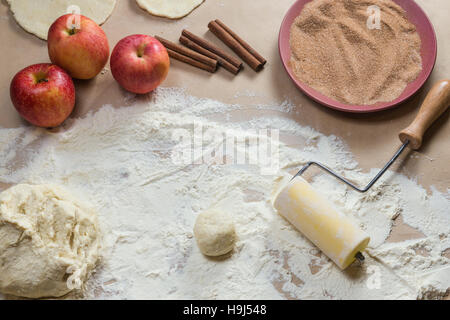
{"x": 335, "y": 52}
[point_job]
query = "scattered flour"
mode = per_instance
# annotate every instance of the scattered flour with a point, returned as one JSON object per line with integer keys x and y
{"x": 120, "y": 161}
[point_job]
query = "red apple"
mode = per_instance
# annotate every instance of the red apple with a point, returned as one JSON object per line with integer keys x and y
{"x": 81, "y": 50}
{"x": 139, "y": 63}
{"x": 43, "y": 94}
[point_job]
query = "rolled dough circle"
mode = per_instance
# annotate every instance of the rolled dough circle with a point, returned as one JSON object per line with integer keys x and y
{"x": 49, "y": 242}
{"x": 215, "y": 232}
{"x": 172, "y": 9}
{"x": 36, "y": 17}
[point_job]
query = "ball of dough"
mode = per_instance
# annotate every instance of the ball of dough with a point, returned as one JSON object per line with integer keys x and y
{"x": 215, "y": 233}
{"x": 49, "y": 242}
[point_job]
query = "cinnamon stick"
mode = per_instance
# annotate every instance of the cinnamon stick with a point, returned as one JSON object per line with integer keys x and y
{"x": 242, "y": 42}
{"x": 232, "y": 43}
{"x": 222, "y": 62}
{"x": 190, "y": 61}
{"x": 188, "y": 53}
{"x": 211, "y": 47}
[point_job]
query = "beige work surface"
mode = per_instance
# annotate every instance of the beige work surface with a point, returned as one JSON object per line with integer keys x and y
{"x": 371, "y": 137}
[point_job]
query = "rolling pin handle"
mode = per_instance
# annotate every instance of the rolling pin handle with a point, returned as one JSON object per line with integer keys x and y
{"x": 435, "y": 104}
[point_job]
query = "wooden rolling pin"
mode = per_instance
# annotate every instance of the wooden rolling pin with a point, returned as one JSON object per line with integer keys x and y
{"x": 314, "y": 216}
{"x": 435, "y": 104}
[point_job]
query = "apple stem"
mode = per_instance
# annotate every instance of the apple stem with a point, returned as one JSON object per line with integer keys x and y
{"x": 140, "y": 50}
{"x": 42, "y": 80}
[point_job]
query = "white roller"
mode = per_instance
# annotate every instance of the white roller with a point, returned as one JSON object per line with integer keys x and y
{"x": 316, "y": 218}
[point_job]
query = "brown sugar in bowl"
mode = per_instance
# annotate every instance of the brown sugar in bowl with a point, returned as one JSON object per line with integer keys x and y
{"x": 428, "y": 54}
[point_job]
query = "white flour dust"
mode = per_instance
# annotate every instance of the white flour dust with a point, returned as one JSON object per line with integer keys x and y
{"x": 120, "y": 161}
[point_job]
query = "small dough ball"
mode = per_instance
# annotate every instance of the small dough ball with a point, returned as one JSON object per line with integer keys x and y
{"x": 215, "y": 233}
{"x": 49, "y": 242}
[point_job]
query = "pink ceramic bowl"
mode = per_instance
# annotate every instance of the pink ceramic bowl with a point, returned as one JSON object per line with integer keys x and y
{"x": 428, "y": 52}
